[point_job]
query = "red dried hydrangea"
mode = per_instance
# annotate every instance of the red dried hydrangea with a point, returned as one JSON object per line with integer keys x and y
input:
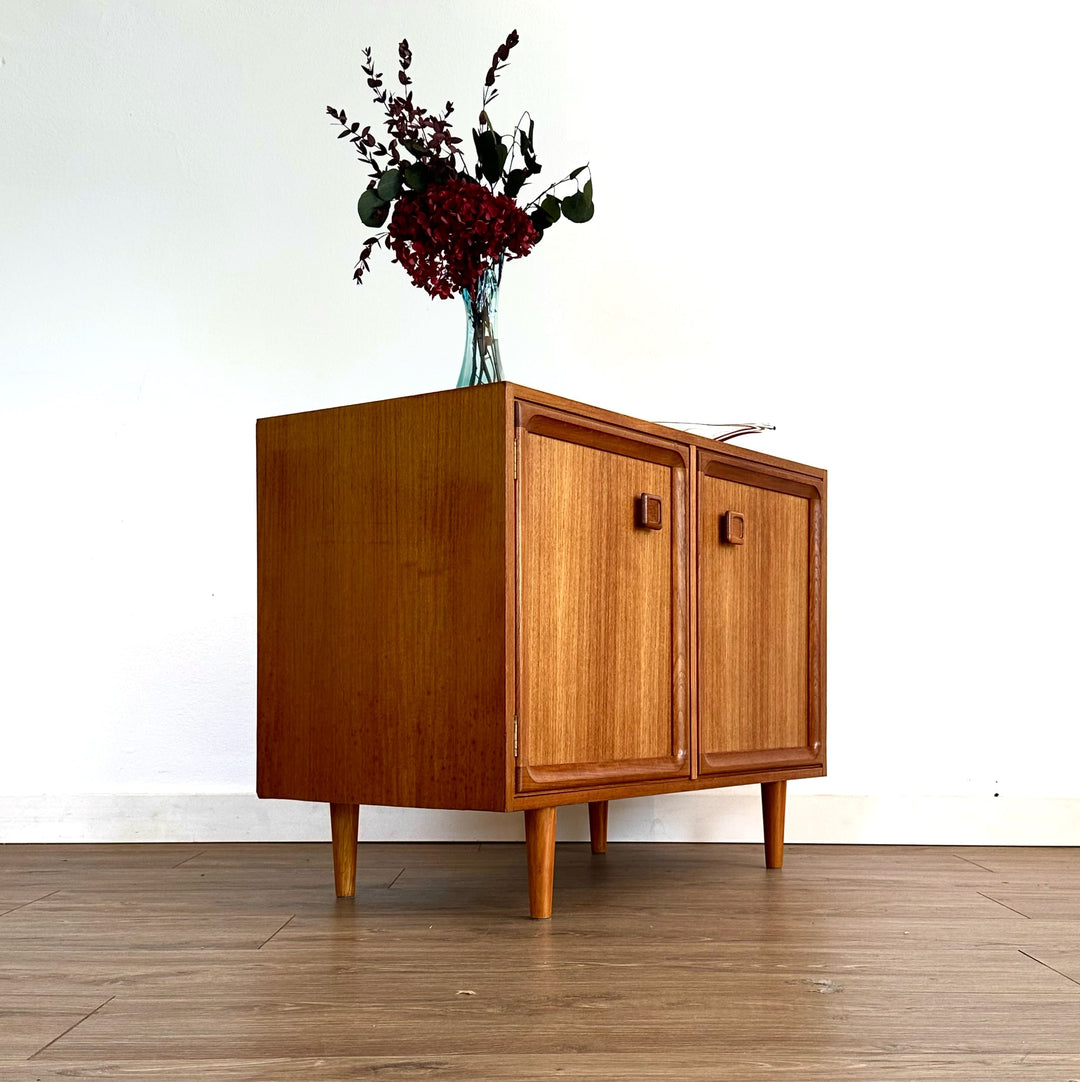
{"x": 448, "y": 234}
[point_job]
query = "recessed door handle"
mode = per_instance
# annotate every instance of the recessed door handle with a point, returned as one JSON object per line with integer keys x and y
{"x": 649, "y": 511}
{"x": 732, "y": 527}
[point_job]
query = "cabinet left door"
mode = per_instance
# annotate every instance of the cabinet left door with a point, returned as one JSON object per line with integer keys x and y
{"x": 602, "y": 604}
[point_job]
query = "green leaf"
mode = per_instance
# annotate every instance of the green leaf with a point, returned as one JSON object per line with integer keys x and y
{"x": 579, "y": 169}
{"x": 514, "y": 180}
{"x": 527, "y": 150}
{"x": 491, "y": 152}
{"x": 577, "y": 207}
{"x": 372, "y": 209}
{"x": 540, "y": 220}
{"x": 415, "y": 176}
{"x": 547, "y": 214}
{"x": 389, "y": 185}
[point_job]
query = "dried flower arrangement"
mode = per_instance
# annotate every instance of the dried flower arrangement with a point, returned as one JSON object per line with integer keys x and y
{"x": 447, "y": 222}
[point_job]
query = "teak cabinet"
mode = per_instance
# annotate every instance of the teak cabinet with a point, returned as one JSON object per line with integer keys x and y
{"x": 497, "y": 599}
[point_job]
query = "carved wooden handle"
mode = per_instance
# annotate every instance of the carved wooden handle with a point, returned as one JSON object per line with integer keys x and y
{"x": 649, "y": 511}
{"x": 732, "y": 527}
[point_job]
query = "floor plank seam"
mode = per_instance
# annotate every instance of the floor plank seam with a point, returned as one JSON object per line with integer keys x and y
{"x": 194, "y": 856}
{"x": 269, "y": 937}
{"x": 71, "y": 1027}
{"x": 1050, "y": 967}
{"x": 1008, "y": 907}
{"x": 976, "y": 863}
{"x": 33, "y": 901}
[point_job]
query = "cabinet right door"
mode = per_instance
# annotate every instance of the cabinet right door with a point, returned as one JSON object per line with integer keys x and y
{"x": 760, "y": 617}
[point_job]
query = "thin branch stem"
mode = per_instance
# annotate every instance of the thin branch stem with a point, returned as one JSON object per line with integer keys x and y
{"x": 551, "y": 187}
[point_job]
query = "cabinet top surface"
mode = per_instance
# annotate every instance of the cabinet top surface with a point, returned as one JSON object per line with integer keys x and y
{"x": 512, "y": 392}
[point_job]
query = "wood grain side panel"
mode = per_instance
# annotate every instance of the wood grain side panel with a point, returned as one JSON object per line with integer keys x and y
{"x": 382, "y": 602}
{"x": 753, "y": 620}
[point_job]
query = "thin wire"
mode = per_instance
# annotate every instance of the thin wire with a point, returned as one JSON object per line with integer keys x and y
{"x": 745, "y": 429}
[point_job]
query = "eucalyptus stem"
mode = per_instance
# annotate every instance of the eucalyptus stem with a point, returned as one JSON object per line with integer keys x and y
{"x": 551, "y": 187}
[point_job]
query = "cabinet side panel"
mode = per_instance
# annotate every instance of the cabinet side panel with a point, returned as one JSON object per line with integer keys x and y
{"x": 382, "y": 587}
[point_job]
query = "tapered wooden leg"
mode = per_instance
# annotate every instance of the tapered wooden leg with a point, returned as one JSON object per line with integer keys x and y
{"x": 773, "y": 794}
{"x": 344, "y": 829}
{"x": 598, "y": 825}
{"x": 540, "y": 851}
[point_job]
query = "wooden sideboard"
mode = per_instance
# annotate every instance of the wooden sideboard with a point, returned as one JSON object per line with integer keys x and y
{"x": 497, "y": 599}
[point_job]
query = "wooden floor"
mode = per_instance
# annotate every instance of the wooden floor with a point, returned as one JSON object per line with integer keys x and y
{"x": 661, "y": 962}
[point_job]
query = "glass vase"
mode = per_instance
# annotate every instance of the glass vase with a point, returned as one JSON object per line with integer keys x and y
{"x": 481, "y": 363}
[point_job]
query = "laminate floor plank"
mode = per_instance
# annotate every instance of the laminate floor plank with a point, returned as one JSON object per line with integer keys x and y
{"x": 436, "y": 924}
{"x": 205, "y": 867}
{"x": 557, "y": 1017}
{"x": 64, "y": 927}
{"x": 649, "y": 889}
{"x": 431, "y": 916}
{"x": 1046, "y": 904}
{"x": 29, "y": 1022}
{"x": 64, "y": 857}
{"x": 383, "y": 975}
{"x": 22, "y": 867}
{"x": 386, "y": 960}
{"x": 14, "y": 898}
{"x": 508, "y": 1066}
{"x": 236, "y": 900}
{"x": 1065, "y": 962}
{"x": 1027, "y": 859}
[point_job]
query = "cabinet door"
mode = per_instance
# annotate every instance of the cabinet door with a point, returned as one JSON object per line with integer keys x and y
{"x": 602, "y": 604}
{"x": 760, "y": 604}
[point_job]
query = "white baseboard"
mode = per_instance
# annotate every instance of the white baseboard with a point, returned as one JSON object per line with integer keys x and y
{"x": 731, "y": 815}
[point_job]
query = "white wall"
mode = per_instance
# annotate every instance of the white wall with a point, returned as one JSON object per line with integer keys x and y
{"x": 856, "y": 221}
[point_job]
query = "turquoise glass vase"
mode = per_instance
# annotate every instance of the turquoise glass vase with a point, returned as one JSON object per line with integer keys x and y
{"x": 481, "y": 363}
